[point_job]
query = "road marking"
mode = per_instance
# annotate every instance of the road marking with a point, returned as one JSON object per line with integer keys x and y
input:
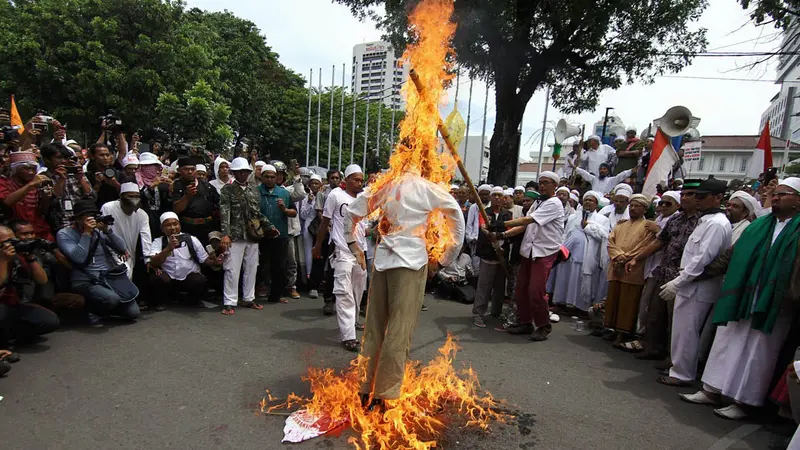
{"x": 734, "y": 436}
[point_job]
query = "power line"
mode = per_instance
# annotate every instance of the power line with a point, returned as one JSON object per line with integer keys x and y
{"x": 691, "y": 77}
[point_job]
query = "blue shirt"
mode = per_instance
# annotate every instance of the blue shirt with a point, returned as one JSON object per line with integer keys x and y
{"x": 270, "y": 209}
{"x": 75, "y": 246}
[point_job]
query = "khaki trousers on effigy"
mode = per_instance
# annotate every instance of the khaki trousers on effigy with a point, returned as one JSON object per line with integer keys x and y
{"x": 395, "y": 300}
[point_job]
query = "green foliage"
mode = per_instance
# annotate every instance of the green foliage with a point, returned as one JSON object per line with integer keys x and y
{"x": 793, "y": 168}
{"x": 578, "y": 47}
{"x": 781, "y": 13}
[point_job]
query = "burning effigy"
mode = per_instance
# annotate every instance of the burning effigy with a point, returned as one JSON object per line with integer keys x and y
{"x": 425, "y": 399}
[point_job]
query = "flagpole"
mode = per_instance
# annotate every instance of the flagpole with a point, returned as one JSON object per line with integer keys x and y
{"x": 308, "y": 121}
{"x": 378, "y": 138}
{"x": 366, "y": 136}
{"x": 353, "y": 130}
{"x": 319, "y": 114}
{"x": 330, "y": 121}
{"x": 341, "y": 122}
{"x": 483, "y": 131}
{"x": 544, "y": 125}
{"x": 469, "y": 113}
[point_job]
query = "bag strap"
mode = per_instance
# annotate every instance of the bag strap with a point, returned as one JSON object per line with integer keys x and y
{"x": 189, "y": 246}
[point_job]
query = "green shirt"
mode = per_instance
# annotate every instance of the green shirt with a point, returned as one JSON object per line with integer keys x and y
{"x": 270, "y": 209}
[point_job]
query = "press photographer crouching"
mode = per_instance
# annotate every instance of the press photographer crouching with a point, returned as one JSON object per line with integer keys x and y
{"x": 175, "y": 265}
{"x": 20, "y": 320}
{"x": 89, "y": 244}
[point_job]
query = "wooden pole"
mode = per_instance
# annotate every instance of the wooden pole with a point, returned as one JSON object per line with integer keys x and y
{"x": 454, "y": 152}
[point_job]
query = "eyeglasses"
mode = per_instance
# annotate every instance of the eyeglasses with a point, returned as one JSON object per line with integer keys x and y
{"x": 783, "y": 194}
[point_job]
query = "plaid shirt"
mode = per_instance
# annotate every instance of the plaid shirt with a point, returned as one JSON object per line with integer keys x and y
{"x": 674, "y": 237}
{"x": 60, "y": 213}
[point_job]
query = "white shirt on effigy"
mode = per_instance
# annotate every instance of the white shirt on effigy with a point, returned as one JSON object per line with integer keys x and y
{"x": 406, "y": 203}
{"x": 544, "y": 236}
{"x": 180, "y": 264}
{"x": 335, "y": 209}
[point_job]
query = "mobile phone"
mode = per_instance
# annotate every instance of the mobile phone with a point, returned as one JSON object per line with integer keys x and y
{"x": 39, "y": 126}
{"x": 770, "y": 175}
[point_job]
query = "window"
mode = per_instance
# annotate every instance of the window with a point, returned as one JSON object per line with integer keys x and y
{"x": 743, "y": 165}
{"x": 721, "y": 165}
{"x": 702, "y": 164}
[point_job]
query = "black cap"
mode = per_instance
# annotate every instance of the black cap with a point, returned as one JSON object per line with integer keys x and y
{"x": 85, "y": 208}
{"x": 187, "y": 161}
{"x": 691, "y": 183}
{"x": 712, "y": 186}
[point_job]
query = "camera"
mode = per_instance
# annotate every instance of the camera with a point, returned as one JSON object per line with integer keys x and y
{"x": 10, "y": 133}
{"x": 110, "y": 172}
{"x": 182, "y": 238}
{"x": 112, "y": 121}
{"x": 32, "y": 245}
{"x": 182, "y": 149}
{"x": 108, "y": 220}
{"x": 72, "y": 170}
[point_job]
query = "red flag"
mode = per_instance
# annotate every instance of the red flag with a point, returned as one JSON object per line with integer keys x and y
{"x": 762, "y": 156}
{"x": 662, "y": 158}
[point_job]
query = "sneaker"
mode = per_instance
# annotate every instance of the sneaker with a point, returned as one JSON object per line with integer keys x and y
{"x": 95, "y": 321}
{"x": 328, "y": 309}
{"x": 541, "y": 333}
{"x": 313, "y": 294}
{"x": 294, "y": 294}
{"x": 479, "y": 322}
{"x": 424, "y": 308}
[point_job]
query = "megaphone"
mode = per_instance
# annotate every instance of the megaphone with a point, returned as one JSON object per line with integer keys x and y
{"x": 677, "y": 121}
{"x": 565, "y": 131}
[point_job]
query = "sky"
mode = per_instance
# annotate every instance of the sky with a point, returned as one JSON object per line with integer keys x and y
{"x": 320, "y": 34}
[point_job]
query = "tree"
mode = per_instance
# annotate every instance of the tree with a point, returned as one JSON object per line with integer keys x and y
{"x": 781, "y": 13}
{"x": 576, "y": 47}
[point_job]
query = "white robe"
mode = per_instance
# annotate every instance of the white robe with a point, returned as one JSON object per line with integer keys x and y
{"x": 130, "y": 229}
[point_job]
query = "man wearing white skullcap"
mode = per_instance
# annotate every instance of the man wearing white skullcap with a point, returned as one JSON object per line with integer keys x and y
{"x": 573, "y": 282}
{"x": 349, "y": 273}
{"x": 473, "y": 223}
{"x": 740, "y": 207}
{"x": 201, "y": 171}
{"x": 563, "y": 194}
{"x": 175, "y": 265}
{"x": 131, "y": 223}
{"x": 401, "y": 268}
{"x": 307, "y": 213}
{"x": 543, "y": 230}
{"x": 762, "y": 275}
{"x": 491, "y": 275}
{"x": 519, "y": 195}
{"x": 277, "y": 206}
{"x": 595, "y": 154}
{"x": 242, "y": 227}
{"x": 603, "y": 181}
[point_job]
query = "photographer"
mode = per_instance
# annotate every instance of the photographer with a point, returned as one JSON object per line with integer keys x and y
{"x": 102, "y": 169}
{"x": 175, "y": 264}
{"x": 70, "y": 184}
{"x": 130, "y": 223}
{"x": 194, "y": 201}
{"x": 112, "y": 136}
{"x": 20, "y": 319}
{"x": 27, "y": 195}
{"x": 89, "y": 244}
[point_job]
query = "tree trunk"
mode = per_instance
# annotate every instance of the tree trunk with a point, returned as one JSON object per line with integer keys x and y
{"x": 504, "y": 145}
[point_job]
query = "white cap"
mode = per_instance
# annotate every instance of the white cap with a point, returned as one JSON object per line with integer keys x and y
{"x": 497, "y": 190}
{"x": 574, "y": 198}
{"x": 792, "y": 182}
{"x": 72, "y": 142}
{"x": 631, "y": 128}
{"x": 575, "y": 191}
{"x": 240, "y": 164}
{"x": 484, "y": 187}
{"x": 148, "y": 158}
{"x": 619, "y": 138}
{"x": 200, "y": 168}
{"x": 519, "y": 188}
{"x": 454, "y": 186}
{"x": 594, "y": 136}
{"x": 509, "y": 192}
{"x": 748, "y": 200}
{"x": 623, "y": 189}
{"x": 674, "y": 195}
{"x": 551, "y": 175}
{"x": 267, "y": 168}
{"x": 315, "y": 177}
{"x": 128, "y": 187}
{"x": 168, "y": 215}
{"x": 261, "y": 164}
{"x": 563, "y": 189}
{"x": 596, "y": 195}
{"x": 130, "y": 159}
{"x": 351, "y": 169}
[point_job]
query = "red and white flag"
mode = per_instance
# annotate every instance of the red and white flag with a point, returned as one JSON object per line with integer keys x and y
{"x": 662, "y": 158}
{"x": 762, "y": 156}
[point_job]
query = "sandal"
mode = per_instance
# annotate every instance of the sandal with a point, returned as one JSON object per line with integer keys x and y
{"x": 228, "y": 311}
{"x": 351, "y": 345}
{"x": 252, "y": 305}
{"x": 633, "y": 347}
{"x": 670, "y": 381}
{"x": 144, "y": 307}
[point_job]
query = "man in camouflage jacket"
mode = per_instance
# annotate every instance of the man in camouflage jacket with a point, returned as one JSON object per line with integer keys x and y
{"x": 239, "y": 210}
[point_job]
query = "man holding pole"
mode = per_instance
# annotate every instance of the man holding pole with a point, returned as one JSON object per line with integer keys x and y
{"x": 401, "y": 270}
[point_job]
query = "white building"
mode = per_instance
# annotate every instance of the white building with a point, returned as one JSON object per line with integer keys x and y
{"x": 474, "y": 155}
{"x": 378, "y": 74}
{"x": 726, "y": 157}
{"x": 784, "y": 122}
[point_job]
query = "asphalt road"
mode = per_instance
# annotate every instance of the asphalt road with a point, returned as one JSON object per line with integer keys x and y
{"x": 191, "y": 379}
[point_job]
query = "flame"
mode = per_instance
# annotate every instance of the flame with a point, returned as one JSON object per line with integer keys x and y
{"x": 416, "y": 419}
{"x": 430, "y": 55}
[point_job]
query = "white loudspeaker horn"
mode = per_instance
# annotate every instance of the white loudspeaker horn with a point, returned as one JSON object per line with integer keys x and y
{"x": 565, "y": 131}
{"x": 676, "y": 121}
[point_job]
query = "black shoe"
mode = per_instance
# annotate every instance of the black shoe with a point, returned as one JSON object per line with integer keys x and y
{"x": 359, "y": 326}
{"x": 328, "y": 309}
{"x": 541, "y": 333}
{"x": 5, "y": 367}
{"x": 524, "y": 328}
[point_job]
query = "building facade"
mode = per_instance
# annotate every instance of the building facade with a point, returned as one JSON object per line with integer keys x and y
{"x": 784, "y": 109}
{"x": 726, "y": 157}
{"x": 378, "y": 74}
{"x": 475, "y": 154}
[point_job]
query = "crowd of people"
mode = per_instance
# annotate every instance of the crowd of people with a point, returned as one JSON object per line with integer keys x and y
{"x": 697, "y": 278}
